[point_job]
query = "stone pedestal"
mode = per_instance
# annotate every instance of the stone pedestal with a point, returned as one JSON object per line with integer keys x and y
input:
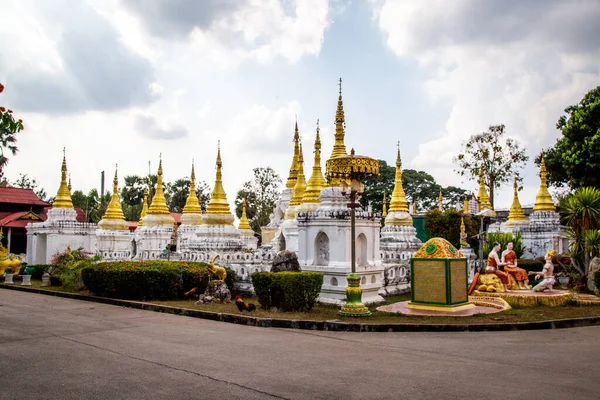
{"x": 8, "y": 279}
{"x": 26, "y": 280}
{"x": 216, "y": 292}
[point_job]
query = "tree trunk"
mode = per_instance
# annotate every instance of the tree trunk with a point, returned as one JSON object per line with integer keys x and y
{"x": 492, "y": 182}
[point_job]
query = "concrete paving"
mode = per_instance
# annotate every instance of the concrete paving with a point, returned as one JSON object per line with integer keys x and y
{"x": 55, "y": 348}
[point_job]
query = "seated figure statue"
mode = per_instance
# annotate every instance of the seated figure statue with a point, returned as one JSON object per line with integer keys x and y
{"x": 509, "y": 258}
{"x": 493, "y": 262}
{"x": 547, "y": 273}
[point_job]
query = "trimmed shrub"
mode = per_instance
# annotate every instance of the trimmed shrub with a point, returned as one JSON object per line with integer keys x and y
{"x": 289, "y": 291}
{"x": 148, "y": 280}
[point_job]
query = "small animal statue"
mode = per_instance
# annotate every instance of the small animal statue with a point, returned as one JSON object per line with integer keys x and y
{"x": 215, "y": 269}
{"x": 9, "y": 261}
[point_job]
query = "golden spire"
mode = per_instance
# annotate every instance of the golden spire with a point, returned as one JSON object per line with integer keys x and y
{"x": 300, "y": 187}
{"x": 192, "y": 205}
{"x": 440, "y": 199}
{"x": 339, "y": 148}
{"x": 317, "y": 182}
{"x": 244, "y": 224}
{"x": 291, "y": 181}
{"x": 543, "y": 200}
{"x": 144, "y": 207}
{"x": 516, "y": 211}
{"x": 218, "y": 199}
{"x": 398, "y": 203}
{"x": 463, "y": 233}
{"x": 113, "y": 218}
{"x": 484, "y": 200}
{"x": 63, "y": 197}
{"x": 384, "y": 213}
{"x": 159, "y": 203}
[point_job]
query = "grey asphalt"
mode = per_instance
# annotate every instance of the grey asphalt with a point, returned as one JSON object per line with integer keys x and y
{"x": 55, "y": 348}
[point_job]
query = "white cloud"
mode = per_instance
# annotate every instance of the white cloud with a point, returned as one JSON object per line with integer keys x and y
{"x": 518, "y": 63}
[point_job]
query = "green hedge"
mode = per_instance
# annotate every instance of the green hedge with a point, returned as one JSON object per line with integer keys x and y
{"x": 148, "y": 280}
{"x": 289, "y": 291}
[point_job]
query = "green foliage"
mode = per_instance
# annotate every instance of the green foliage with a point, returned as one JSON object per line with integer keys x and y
{"x": 91, "y": 203}
{"x": 9, "y": 127}
{"x": 289, "y": 291}
{"x": 503, "y": 239}
{"x": 260, "y": 193}
{"x": 447, "y": 225}
{"x": 500, "y": 157}
{"x": 180, "y": 190}
{"x": 25, "y": 182}
{"x": 146, "y": 280}
{"x": 575, "y": 157}
{"x": 39, "y": 270}
{"x": 419, "y": 187}
{"x": 581, "y": 213}
{"x": 69, "y": 275}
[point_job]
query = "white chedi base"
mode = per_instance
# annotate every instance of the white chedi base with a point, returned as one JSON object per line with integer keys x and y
{"x": 543, "y": 233}
{"x": 215, "y": 238}
{"x": 114, "y": 244}
{"x": 289, "y": 230}
{"x": 151, "y": 241}
{"x": 397, "y": 244}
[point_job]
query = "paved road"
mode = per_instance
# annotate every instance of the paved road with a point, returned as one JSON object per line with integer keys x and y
{"x": 54, "y": 348}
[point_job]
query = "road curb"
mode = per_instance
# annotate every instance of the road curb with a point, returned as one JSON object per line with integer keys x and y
{"x": 337, "y": 326}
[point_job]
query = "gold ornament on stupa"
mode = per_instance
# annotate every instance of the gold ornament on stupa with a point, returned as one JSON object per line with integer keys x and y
{"x": 113, "y": 218}
{"x": 516, "y": 211}
{"x": 144, "y": 208}
{"x": 192, "y": 211}
{"x": 339, "y": 148}
{"x": 398, "y": 204}
{"x": 244, "y": 224}
{"x": 543, "y": 200}
{"x": 384, "y": 212}
{"x": 463, "y": 234}
{"x": 158, "y": 212}
{"x": 300, "y": 187}
{"x": 217, "y": 211}
{"x": 317, "y": 182}
{"x": 291, "y": 180}
{"x": 484, "y": 200}
{"x": 63, "y": 197}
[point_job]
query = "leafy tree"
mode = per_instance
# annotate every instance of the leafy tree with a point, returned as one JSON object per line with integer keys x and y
{"x": 25, "y": 182}
{"x": 575, "y": 157}
{"x": 9, "y": 127}
{"x": 132, "y": 196}
{"x": 180, "y": 190}
{"x": 260, "y": 193}
{"x": 91, "y": 204}
{"x": 447, "y": 225}
{"x": 375, "y": 186}
{"x": 500, "y": 157}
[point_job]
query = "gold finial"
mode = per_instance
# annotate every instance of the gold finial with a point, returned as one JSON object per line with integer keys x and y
{"x": 516, "y": 211}
{"x": 218, "y": 200}
{"x": 543, "y": 200}
{"x": 159, "y": 203}
{"x": 244, "y": 224}
{"x": 113, "y": 218}
{"x": 63, "y": 197}
{"x": 339, "y": 148}
{"x": 300, "y": 187}
{"x": 440, "y": 199}
{"x": 192, "y": 204}
{"x": 291, "y": 181}
{"x": 384, "y": 213}
{"x": 144, "y": 207}
{"x": 483, "y": 199}
{"x": 463, "y": 233}
{"x": 398, "y": 203}
{"x": 317, "y": 182}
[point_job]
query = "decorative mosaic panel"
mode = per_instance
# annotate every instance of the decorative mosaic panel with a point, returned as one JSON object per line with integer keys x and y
{"x": 429, "y": 281}
{"x": 458, "y": 270}
{"x": 438, "y": 248}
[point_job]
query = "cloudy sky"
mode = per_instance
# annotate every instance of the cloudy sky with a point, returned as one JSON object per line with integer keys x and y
{"x": 121, "y": 81}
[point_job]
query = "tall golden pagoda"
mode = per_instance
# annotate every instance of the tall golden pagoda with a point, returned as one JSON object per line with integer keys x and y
{"x": 158, "y": 212}
{"x": 291, "y": 180}
{"x": 339, "y": 148}
{"x": 516, "y": 215}
{"x": 192, "y": 211}
{"x": 384, "y": 212}
{"x": 398, "y": 212}
{"x": 300, "y": 187}
{"x": 543, "y": 200}
{"x": 317, "y": 182}
{"x": 244, "y": 225}
{"x": 144, "y": 208}
{"x": 484, "y": 200}
{"x": 63, "y": 197}
{"x": 113, "y": 219}
{"x": 217, "y": 211}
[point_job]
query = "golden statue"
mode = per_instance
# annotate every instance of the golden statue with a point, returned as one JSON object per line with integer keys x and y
{"x": 9, "y": 261}
{"x": 215, "y": 269}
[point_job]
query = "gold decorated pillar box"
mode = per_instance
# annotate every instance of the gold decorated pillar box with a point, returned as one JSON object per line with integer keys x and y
{"x": 439, "y": 278}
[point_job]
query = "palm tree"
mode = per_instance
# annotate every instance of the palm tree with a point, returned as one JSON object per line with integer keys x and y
{"x": 581, "y": 213}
